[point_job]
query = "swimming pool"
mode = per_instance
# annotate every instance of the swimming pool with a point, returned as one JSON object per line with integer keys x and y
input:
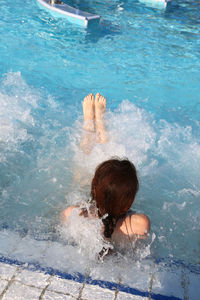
{"x": 146, "y": 62}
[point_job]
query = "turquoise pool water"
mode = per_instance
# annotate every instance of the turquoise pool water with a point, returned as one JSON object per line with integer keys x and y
{"x": 146, "y": 62}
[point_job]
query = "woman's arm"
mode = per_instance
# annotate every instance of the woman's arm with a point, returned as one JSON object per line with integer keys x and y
{"x": 67, "y": 212}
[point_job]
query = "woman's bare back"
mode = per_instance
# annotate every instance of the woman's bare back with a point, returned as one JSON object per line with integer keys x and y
{"x": 131, "y": 226}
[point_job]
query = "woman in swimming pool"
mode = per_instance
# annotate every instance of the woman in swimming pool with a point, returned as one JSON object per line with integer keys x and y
{"x": 114, "y": 184}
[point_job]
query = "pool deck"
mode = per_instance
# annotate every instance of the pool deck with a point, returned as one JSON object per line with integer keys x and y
{"x": 20, "y": 283}
{"x": 28, "y": 279}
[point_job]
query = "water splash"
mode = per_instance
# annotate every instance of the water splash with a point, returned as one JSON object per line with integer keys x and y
{"x": 39, "y": 151}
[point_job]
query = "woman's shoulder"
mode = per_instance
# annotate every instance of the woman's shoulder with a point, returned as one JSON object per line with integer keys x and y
{"x": 135, "y": 224}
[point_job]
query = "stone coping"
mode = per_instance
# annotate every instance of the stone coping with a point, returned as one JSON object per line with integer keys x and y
{"x": 15, "y": 271}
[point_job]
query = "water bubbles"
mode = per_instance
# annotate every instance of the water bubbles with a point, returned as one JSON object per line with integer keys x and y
{"x": 43, "y": 171}
{"x": 86, "y": 233}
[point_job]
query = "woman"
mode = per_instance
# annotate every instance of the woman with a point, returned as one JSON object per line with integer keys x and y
{"x": 114, "y": 184}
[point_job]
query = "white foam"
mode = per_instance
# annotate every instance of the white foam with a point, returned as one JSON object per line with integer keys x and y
{"x": 124, "y": 124}
{"x": 86, "y": 233}
{"x": 15, "y": 113}
{"x": 40, "y": 154}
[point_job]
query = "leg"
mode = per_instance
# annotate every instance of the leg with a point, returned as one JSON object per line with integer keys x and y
{"x": 91, "y": 110}
{"x": 100, "y": 107}
{"x": 88, "y": 136}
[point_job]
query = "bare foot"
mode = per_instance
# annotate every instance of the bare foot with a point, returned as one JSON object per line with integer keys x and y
{"x": 88, "y": 135}
{"x": 88, "y": 112}
{"x": 100, "y": 106}
{"x": 88, "y": 108}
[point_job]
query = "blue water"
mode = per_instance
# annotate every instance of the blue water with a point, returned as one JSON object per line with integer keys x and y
{"x": 147, "y": 63}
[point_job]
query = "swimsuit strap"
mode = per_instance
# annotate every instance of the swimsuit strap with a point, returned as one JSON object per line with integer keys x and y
{"x": 114, "y": 218}
{"x": 109, "y": 223}
{"x": 129, "y": 235}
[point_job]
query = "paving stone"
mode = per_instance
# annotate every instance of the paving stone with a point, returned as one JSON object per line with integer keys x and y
{"x": 94, "y": 292}
{"x": 132, "y": 274}
{"x": 168, "y": 283}
{"x": 65, "y": 286}
{"x": 7, "y": 271}
{"x": 30, "y": 250}
{"x": 37, "y": 279}
{"x": 57, "y": 256}
{"x": 126, "y": 296}
{"x": 54, "y": 296}
{"x": 194, "y": 286}
{"x": 138, "y": 276}
{"x": 19, "y": 291}
{"x": 9, "y": 241}
{"x": 3, "y": 284}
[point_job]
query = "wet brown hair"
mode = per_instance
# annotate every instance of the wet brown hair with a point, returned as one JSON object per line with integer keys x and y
{"x": 113, "y": 189}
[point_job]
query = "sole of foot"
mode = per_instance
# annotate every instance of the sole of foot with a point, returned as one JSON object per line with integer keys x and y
{"x": 89, "y": 108}
{"x": 100, "y": 106}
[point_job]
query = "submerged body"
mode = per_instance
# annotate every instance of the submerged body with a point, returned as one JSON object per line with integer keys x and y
{"x": 132, "y": 226}
{"x": 114, "y": 185}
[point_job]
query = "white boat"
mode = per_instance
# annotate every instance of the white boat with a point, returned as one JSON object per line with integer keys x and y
{"x": 162, "y": 4}
{"x": 73, "y": 15}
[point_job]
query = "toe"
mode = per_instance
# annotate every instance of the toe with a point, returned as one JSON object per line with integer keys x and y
{"x": 97, "y": 97}
{"x": 85, "y": 99}
{"x": 102, "y": 98}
